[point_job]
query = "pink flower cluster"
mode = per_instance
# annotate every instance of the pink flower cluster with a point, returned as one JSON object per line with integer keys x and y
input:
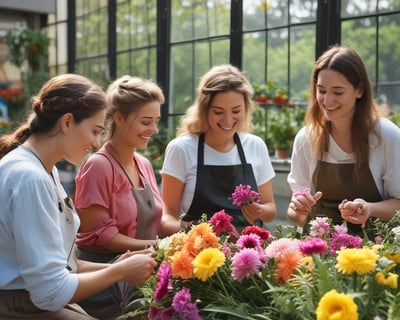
{"x": 243, "y": 195}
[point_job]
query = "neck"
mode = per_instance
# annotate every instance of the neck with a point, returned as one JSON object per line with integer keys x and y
{"x": 123, "y": 154}
{"x": 43, "y": 152}
{"x": 219, "y": 142}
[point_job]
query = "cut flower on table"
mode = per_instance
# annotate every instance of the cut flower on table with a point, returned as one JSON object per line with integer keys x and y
{"x": 205, "y": 274}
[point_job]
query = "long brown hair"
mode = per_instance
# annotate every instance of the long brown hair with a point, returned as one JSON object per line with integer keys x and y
{"x": 348, "y": 63}
{"x": 66, "y": 93}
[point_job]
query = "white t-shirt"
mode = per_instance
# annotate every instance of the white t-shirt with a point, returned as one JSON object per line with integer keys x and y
{"x": 37, "y": 232}
{"x": 383, "y": 160}
{"x": 181, "y": 161}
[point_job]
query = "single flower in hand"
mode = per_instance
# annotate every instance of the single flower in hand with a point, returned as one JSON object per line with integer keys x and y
{"x": 243, "y": 195}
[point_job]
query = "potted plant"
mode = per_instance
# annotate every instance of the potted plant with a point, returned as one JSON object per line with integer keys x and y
{"x": 282, "y": 126}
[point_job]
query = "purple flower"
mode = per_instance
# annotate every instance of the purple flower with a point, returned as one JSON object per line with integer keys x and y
{"x": 341, "y": 241}
{"x": 181, "y": 304}
{"x": 243, "y": 195}
{"x": 245, "y": 263}
{"x": 163, "y": 281}
{"x": 160, "y": 313}
{"x": 313, "y": 245}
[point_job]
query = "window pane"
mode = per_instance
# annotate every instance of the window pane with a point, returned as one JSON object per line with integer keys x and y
{"x": 303, "y": 11}
{"x": 355, "y": 8}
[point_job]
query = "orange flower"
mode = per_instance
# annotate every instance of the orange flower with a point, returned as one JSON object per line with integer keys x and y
{"x": 181, "y": 265}
{"x": 287, "y": 263}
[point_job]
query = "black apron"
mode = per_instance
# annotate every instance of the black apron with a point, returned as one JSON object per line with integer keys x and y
{"x": 215, "y": 185}
{"x": 337, "y": 183}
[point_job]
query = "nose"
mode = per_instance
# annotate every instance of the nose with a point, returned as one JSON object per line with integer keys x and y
{"x": 154, "y": 128}
{"x": 328, "y": 99}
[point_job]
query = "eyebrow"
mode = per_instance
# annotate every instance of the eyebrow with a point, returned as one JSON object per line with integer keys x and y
{"x": 235, "y": 107}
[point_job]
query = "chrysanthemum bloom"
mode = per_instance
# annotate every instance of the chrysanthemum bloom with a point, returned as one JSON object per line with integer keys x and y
{"x": 360, "y": 261}
{"x": 248, "y": 241}
{"x": 264, "y": 234}
{"x": 181, "y": 265}
{"x": 161, "y": 313}
{"x": 319, "y": 227}
{"x": 277, "y": 247}
{"x": 336, "y": 306}
{"x": 163, "y": 281}
{"x": 313, "y": 245}
{"x": 222, "y": 223}
{"x": 245, "y": 263}
{"x": 340, "y": 241}
{"x": 307, "y": 262}
{"x": 181, "y": 304}
{"x": 207, "y": 262}
{"x": 201, "y": 236}
{"x": 393, "y": 256}
{"x": 243, "y": 195}
{"x": 169, "y": 245}
{"x": 391, "y": 280}
{"x": 287, "y": 262}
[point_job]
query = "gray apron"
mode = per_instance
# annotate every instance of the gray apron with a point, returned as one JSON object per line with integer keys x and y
{"x": 215, "y": 184}
{"x": 337, "y": 183}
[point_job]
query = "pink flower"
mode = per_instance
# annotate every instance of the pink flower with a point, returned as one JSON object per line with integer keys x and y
{"x": 163, "y": 281}
{"x": 319, "y": 227}
{"x": 245, "y": 263}
{"x": 181, "y": 304}
{"x": 248, "y": 241}
{"x": 313, "y": 245}
{"x": 341, "y": 241}
{"x": 243, "y": 195}
{"x": 303, "y": 192}
{"x": 278, "y": 247}
{"x": 221, "y": 221}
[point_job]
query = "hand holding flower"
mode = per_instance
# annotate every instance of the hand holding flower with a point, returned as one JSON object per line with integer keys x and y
{"x": 355, "y": 211}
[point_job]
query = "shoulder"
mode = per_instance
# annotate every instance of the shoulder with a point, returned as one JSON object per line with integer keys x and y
{"x": 387, "y": 129}
{"x": 248, "y": 139}
{"x": 185, "y": 143}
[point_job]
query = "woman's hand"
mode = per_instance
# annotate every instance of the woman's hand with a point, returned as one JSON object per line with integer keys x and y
{"x": 252, "y": 212}
{"x": 356, "y": 211}
{"x": 301, "y": 204}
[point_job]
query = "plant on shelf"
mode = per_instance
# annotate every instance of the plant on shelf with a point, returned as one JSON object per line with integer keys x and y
{"x": 282, "y": 126}
{"x": 270, "y": 93}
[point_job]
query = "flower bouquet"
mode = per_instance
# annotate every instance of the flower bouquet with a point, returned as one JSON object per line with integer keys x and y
{"x": 206, "y": 273}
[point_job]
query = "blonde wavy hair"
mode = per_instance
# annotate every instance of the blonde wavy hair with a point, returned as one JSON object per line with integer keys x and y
{"x": 221, "y": 78}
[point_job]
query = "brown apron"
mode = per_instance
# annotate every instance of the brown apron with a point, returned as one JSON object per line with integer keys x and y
{"x": 215, "y": 184}
{"x": 337, "y": 183}
{"x": 16, "y": 304}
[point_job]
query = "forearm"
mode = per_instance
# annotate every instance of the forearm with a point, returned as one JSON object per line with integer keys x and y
{"x": 268, "y": 211}
{"x": 169, "y": 225}
{"x": 121, "y": 243}
{"x": 385, "y": 209}
{"x": 297, "y": 218}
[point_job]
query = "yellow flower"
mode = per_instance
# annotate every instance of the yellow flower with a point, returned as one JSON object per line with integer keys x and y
{"x": 207, "y": 262}
{"x": 352, "y": 260}
{"x": 390, "y": 280}
{"x": 393, "y": 256}
{"x": 336, "y": 306}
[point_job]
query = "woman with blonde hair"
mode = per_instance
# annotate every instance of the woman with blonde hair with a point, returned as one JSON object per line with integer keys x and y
{"x": 213, "y": 153}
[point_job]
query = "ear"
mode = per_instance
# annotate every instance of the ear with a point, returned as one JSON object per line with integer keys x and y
{"x": 66, "y": 121}
{"x": 118, "y": 118}
{"x": 360, "y": 92}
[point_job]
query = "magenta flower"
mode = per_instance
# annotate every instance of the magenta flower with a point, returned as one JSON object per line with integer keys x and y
{"x": 160, "y": 313}
{"x": 181, "y": 304}
{"x": 319, "y": 227}
{"x": 248, "y": 241}
{"x": 221, "y": 221}
{"x": 341, "y": 241}
{"x": 163, "y": 281}
{"x": 243, "y": 195}
{"x": 313, "y": 245}
{"x": 245, "y": 263}
{"x": 264, "y": 234}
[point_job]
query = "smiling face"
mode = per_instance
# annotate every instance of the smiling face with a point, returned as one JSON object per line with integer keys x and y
{"x": 336, "y": 96}
{"x": 226, "y": 113}
{"x": 83, "y": 137}
{"x": 139, "y": 126}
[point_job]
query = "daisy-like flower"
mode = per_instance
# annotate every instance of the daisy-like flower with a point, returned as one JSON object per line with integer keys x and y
{"x": 181, "y": 265}
{"x": 245, "y": 263}
{"x": 319, "y": 227}
{"x": 163, "y": 281}
{"x": 390, "y": 280}
{"x": 243, "y": 195}
{"x": 248, "y": 241}
{"x": 334, "y": 305}
{"x": 207, "y": 262}
{"x": 360, "y": 261}
{"x": 313, "y": 245}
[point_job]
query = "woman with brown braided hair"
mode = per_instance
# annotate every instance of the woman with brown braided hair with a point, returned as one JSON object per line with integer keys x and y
{"x": 40, "y": 275}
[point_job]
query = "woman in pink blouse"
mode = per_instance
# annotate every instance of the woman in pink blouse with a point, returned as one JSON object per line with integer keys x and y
{"x": 117, "y": 196}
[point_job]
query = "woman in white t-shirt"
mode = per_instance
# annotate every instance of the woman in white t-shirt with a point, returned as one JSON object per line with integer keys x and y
{"x": 213, "y": 153}
{"x": 345, "y": 160}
